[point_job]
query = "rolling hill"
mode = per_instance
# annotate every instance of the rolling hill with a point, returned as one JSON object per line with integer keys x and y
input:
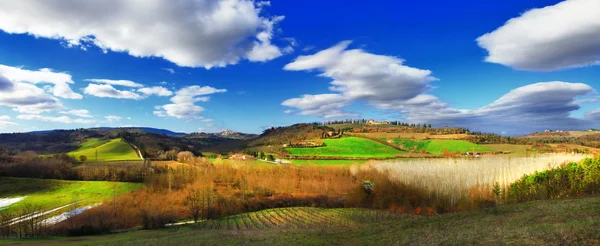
{"x": 348, "y": 147}
{"x": 106, "y": 150}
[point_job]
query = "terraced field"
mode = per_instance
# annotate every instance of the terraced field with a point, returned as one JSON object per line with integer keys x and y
{"x": 106, "y": 150}
{"x": 348, "y": 147}
{"x": 299, "y": 217}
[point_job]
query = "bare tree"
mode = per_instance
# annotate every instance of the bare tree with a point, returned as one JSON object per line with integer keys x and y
{"x": 195, "y": 203}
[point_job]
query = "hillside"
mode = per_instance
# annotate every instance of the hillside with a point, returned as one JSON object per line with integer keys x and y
{"x": 105, "y": 150}
{"x": 549, "y": 222}
{"x": 348, "y": 147}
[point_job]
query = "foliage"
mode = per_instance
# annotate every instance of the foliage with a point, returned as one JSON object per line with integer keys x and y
{"x": 570, "y": 180}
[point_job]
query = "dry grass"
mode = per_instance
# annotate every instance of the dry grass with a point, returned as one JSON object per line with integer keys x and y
{"x": 456, "y": 178}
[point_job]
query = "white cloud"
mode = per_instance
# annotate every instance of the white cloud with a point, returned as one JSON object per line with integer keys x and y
{"x": 183, "y": 105}
{"x": 61, "y": 119}
{"x": 5, "y": 123}
{"x": 61, "y": 81}
{"x": 26, "y": 98}
{"x": 200, "y": 33}
{"x": 156, "y": 90}
{"x": 110, "y": 92}
{"x": 357, "y": 75}
{"x": 528, "y": 108}
{"x": 78, "y": 112}
{"x": 127, "y": 83}
{"x": 4, "y": 117}
{"x": 112, "y": 118}
{"x": 384, "y": 83}
{"x": 561, "y": 36}
{"x": 170, "y": 70}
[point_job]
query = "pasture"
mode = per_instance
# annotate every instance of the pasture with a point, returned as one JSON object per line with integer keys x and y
{"x": 327, "y": 162}
{"x": 105, "y": 150}
{"x": 403, "y": 135}
{"x": 438, "y": 146}
{"x": 348, "y": 147}
{"x": 50, "y": 193}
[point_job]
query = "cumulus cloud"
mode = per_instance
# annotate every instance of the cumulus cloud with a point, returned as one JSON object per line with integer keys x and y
{"x": 357, "y": 75}
{"x": 593, "y": 115}
{"x": 112, "y": 118}
{"x": 60, "y": 119}
{"x": 156, "y": 90}
{"x": 78, "y": 112}
{"x": 183, "y": 103}
{"x": 561, "y": 36}
{"x": 192, "y": 33}
{"x": 384, "y": 83}
{"x": 105, "y": 90}
{"x": 26, "y": 97}
{"x": 60, "y": 81}
{"x": 170, "y": 70}
{"x": 127, "y": 83}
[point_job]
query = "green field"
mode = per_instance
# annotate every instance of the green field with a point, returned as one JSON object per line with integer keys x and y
{"x": 327, "y": 162}
{"x": 548, "y": 222}
{"x": 50, "y": 193}
{"x": 437, "y": 146}
{"x": 108, "y": 150}
{"x": 348, "y": 147}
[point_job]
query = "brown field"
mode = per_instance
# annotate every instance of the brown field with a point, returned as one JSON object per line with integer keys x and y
{"x": 512, "y": 148}
{"x": 406, "y": 135}
{"x": 564, "y": 147}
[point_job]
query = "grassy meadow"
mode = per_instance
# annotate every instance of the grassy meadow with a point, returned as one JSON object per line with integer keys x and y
{"x": 348, "y": 147}
{"x": 108, "y": 150}
{"x": 51, "y": 193}
{"x": 438, "y": 146}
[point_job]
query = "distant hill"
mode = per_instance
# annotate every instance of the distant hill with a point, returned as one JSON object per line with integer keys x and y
{"x": 146, "y": 129}
{"x": 227, "y": 134}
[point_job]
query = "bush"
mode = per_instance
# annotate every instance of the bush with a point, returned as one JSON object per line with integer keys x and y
{"x": 570, "y": 180}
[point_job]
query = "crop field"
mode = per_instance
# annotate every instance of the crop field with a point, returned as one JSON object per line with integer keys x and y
{"x": 299, "y": 217}
{"x": 327, "y": 162}
{"x": 438, "y": 146}
{"x": 50, "y": 193}
{"x": 348, "y": 147}
{"x": 107, "y": 150}
{"x": 454, "y": 178}
{"x": 517, "y": 149}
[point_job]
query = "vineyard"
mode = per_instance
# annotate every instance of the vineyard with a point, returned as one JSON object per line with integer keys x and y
{"x": 299, "y": 218}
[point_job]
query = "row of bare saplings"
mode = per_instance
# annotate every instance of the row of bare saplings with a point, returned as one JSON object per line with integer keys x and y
{"x": 26, "y": 222}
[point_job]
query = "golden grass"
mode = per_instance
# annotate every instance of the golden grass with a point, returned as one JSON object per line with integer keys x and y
{"x": 454, "y": 178}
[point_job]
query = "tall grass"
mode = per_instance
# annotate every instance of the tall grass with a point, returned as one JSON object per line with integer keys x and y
{"x": 460, "y": 179}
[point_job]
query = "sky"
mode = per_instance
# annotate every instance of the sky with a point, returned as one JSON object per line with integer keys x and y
{"x": 508, "y": 67}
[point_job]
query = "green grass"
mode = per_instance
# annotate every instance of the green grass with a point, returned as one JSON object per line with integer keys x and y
{"x": 348, "y": 147}
{"x": 50, "y": 193}
{"x": 437, "y": 146}
{"x": 549, "y": 222}
{"x": 108, "y": 150}
{"x": 327, "y": 162}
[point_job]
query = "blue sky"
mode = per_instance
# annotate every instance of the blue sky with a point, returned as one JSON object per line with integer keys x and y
{"x": 422, "y": 61}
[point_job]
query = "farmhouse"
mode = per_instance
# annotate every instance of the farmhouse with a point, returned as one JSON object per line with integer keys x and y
{"x": 373, "y": 122}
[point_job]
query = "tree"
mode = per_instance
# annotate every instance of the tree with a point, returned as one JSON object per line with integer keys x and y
{"x": 270, "y": 158}
{"x": 261, "y": 155}
{"x": 195, "y": 202}
{"x": 82, "y": 158}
